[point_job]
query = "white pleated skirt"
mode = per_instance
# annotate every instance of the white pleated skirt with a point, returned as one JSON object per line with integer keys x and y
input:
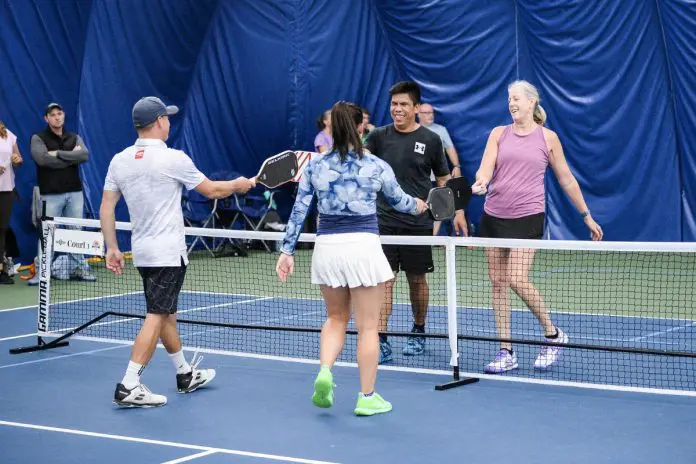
{"x": 349, "y": 260}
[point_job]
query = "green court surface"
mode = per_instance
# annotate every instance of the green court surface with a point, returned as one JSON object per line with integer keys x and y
{"x": 17, "y": 295}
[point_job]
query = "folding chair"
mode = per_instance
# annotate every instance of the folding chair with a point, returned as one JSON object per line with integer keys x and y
{"x": 250, "y": 209}
{"x": 200, "y": 211}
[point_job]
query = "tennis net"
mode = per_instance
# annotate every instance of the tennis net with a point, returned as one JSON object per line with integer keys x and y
{"x": 627, "y": 308}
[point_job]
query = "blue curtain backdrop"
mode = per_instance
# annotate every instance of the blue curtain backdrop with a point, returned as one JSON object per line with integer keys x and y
{"x": 251, "y": 76}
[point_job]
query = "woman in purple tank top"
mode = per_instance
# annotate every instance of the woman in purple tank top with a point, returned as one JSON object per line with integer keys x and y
{"x": 512, "y": 175}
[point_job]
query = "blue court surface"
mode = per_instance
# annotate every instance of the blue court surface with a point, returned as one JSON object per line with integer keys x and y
{"x": 56, "y": 405}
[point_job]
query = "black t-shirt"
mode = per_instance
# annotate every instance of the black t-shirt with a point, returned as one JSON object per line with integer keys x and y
{"x": 412, "y": 156}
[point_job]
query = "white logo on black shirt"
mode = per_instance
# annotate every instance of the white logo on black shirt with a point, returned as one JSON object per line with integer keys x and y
{"x": 419, "y": 148}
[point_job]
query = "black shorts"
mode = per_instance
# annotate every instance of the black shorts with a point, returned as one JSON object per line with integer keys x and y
{"x": 412, "y": 259}
{"x": 162, "y": 287}
{"x": 526, "y": 227}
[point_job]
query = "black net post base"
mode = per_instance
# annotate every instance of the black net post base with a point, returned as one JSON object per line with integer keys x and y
{"x": 62, "y": 340}
{"x": 41, "y": 345}
{"x": 456, "y": 381}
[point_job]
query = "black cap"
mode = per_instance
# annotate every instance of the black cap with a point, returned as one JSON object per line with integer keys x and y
{"x": 51, "y": 107}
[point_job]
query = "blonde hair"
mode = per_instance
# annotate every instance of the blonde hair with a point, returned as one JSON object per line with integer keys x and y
{"x": 3, "y": 130}
{"x": 530, "y": 91}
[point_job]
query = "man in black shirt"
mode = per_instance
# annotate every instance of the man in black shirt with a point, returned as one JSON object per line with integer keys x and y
{"x": 58, "y": 154}
{"x": 412, "y": 151}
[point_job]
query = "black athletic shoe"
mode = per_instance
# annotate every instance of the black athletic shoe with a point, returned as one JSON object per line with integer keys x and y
{"x": 186, "y": 383}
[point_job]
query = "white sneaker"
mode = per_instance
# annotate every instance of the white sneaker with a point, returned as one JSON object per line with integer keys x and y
{"x": 10, "y": 267}
{"x": 34, "y": 280}
{"x": 503, "y": 362}
{"x": 138, "y": 397}
{"x": 197, "y": 378}
{"x": 548, "y": 355}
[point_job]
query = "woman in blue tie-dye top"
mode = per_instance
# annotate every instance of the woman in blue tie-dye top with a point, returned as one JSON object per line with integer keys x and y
{"x": 348, "y": 262}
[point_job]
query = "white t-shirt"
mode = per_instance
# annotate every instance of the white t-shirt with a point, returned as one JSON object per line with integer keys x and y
{"x": 7, "y": 179}
{"x": 150, "y": 176}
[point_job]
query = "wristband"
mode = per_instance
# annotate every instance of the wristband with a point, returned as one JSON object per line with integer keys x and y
{"x": 585, "y": 213}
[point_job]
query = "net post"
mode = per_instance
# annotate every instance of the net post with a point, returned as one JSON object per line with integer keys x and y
{"x": 43, "y": 309}
{"x": 452, "y": 327}
{"x": 45, "y": 259}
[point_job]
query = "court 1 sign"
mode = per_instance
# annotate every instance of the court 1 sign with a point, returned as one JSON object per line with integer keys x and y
{"x": 78, "y": 241}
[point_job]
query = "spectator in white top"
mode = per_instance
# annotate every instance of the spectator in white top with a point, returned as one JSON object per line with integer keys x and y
{"x": 9, "y": 159}
{"x": 426, "y": 116}
{"x": 150, "y": 175}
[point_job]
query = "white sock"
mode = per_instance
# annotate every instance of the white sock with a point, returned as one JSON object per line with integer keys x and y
{"x": 132, "y": 377}
{"x": 180, "y": 363}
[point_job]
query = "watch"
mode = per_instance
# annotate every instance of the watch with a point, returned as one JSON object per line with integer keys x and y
{"x": 586, "y": 213}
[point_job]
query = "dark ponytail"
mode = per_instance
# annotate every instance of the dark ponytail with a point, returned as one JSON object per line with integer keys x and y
{"x": 345, "y": 119}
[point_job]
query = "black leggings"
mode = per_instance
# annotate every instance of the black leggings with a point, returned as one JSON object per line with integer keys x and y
{"x": 6, "y": 199}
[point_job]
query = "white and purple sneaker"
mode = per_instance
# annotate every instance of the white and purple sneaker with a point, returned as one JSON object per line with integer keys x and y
{"x": 504, "y": 361}
{"x": 548, "y": 355}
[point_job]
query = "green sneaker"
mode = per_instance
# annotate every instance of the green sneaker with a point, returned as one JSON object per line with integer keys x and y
{"x": 323, "y": 389}
{"x": 369, "y": 406}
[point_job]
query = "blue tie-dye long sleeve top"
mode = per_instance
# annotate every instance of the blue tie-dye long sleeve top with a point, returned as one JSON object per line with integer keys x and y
{"x": 344, "y": 188}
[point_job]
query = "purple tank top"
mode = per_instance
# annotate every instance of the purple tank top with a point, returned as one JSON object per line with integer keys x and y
{"x": 517, "y": 186}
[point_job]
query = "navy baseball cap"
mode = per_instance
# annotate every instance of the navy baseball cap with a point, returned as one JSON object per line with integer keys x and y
{"x": 51, "y": 107}
{"x": 148, "y": 109}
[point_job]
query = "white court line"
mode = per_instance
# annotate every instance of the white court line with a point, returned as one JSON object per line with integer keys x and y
{"x": 79, "y": 300}
{"x": 53, "y": 358}
{"x": 525, "y": 310}
{"x": 200, "y": 308}
{"x": 516, "y": 333}
{"x": 201, "y": 292}
{"x": 266, "y": 321}
{"x": 415, "y": 370}
{"x": 191, "y": 458}
{"x": 486, "y": 308}
{"x": 71, "y": 301}
{"x": 18, "y": 336}
{"x": 171, "y": 444}
{"x": 440, "y": 372}
{"x": 19, "y": 308}
{"x": 662, "y": 332}
{"x": 131, "y": 319}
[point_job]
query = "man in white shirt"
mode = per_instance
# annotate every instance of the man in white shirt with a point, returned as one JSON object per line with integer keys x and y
{"x": 426, "y": 116}
{"x": 150, "y": 175}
